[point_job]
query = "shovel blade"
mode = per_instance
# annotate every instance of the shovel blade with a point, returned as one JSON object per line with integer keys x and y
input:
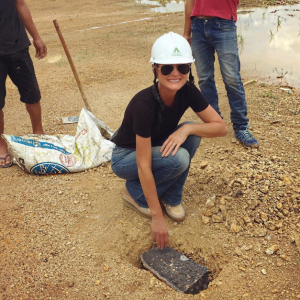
{"x": 70, "y": 120}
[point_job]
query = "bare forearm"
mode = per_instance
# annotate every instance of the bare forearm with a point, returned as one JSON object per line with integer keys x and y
{"x": 26, "y": 18}
{"x": 207, "y": 130}
{"x": 149, "y": 189}
{"x": 187, "y": 23}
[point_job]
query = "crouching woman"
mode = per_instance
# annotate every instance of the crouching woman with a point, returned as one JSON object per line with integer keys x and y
{"x": 153, "y": 153}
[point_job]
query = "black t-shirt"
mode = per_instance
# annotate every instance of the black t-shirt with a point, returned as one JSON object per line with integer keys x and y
{"x": 147, "y": 116}
{"x": 13, "y": 37}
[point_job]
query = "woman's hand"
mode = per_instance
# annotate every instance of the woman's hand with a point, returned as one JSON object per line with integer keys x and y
{"x": 159, "y": 231}
{"x": 175, "y": 140}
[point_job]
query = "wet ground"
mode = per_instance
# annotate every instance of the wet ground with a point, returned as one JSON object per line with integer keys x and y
{"x": 269, "y": 40}
{"x": 269, "y": 43}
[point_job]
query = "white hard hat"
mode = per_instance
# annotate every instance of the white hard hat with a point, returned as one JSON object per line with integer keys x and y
{"x": 171, "y": 48}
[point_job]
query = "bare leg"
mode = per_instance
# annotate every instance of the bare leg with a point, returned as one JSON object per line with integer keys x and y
{"x": 3, "y": 145}
{"x": 35, "y": 113}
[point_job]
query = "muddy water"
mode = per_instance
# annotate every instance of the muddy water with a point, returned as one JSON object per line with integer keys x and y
{"x": 269, "y": 43}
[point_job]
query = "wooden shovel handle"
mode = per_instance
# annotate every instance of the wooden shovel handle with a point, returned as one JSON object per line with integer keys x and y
{"x": 72, "y": 65}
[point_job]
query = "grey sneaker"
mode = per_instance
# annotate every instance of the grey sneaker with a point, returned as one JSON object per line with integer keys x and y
{"x": 246, "y": 137}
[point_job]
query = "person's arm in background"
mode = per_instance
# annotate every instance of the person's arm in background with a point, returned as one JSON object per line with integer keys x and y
{"x": 187, "y": 22}
{"x": 25, "y": 15}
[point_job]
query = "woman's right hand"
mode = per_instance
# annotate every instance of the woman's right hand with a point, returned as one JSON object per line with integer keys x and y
{"x": 159, "y": 231}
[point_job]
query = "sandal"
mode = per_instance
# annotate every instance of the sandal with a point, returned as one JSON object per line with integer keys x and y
{"x": 6, "y": 165}
{"x": 130, "y": 203}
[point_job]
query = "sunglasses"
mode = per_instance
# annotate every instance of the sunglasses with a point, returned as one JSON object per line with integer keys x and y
{"x": 168, "y": 69}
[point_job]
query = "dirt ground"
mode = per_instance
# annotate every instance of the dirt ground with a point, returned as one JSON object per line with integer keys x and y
{"x": 69, "y": 236}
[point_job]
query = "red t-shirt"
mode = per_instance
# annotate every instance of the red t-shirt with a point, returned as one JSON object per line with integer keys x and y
{"x": 225, "y": 9}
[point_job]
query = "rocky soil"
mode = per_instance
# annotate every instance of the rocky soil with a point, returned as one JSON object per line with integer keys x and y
{"x": 69, "y": 236}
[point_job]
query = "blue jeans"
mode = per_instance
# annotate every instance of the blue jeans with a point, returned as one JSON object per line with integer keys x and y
{"x": 208, "y": 36}
{"x": 169, "y": 173}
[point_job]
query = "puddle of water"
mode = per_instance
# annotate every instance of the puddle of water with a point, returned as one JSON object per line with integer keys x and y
{"x": 147, "y": 2}
{"x": 269, "y": 43}
{"x": 172, "y": 6}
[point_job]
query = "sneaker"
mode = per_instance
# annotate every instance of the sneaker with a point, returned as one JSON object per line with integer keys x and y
{"x": 246, "y": 137}
{"x": 130, "y": 203}
{"x": 176, "y": 213}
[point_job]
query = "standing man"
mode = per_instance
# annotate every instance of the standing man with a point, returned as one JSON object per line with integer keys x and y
{"x": 15, "y": 62}
{"x": 209, "y": 27}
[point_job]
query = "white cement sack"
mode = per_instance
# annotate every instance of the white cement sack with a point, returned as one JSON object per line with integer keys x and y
{"x": 52, "y": 154}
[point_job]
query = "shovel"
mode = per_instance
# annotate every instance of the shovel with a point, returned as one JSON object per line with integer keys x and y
{"x": 69, "y": 120}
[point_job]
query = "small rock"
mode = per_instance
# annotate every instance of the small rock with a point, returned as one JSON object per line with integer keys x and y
{"x": 272, "y": 249}
{"x": 265, "y": 175}
{"x": 279, "y": 224}
{"x": 258, "y": 220}
{"x": 284, "y": 257}
{"x": 205, "y": 220}
{"x": 210, "y": 202}
{"x": 247, "y": 219}
{"x": 238, "y": 193}
{"x": 285, "y": 212}
{"x": 279, "y": 263}
{"x": 215, "y": 210}
{"x": 260, "y": 231}
{"x": 152, "y": 281}
{"x": 235, "y": 228}
{"x": 217, "y": 219}
{"x": 207, "y": 213}
{"x": 97, "y": 282}
{"x": 203, "y": 164}
{"x": 286, "y": 180}
{"x": 297, "y": 239}
{"x": 280, "y": 231}
{"x": 264, "y": 189}
{"x": 222, "y": 201}
{"x": 270, "y": 225}
{"x": 280, "y": 215}
{"x": 14, "y": 224}
{"x": 246, "y": 248}
{"x": 263, "y": 216}
{"x": 263, "y": 271}
{"x": 253, "y": 203}
{"x": 223, "y": 208}
{"x": 238, "y": 251}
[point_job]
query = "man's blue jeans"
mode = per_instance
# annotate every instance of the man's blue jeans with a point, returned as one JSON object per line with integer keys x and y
{"x": 169, "y": 173}
{"x": 208, "y": 36}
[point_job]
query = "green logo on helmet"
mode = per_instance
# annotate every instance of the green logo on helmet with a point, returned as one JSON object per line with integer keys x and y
{"x": 176, "y": 52}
